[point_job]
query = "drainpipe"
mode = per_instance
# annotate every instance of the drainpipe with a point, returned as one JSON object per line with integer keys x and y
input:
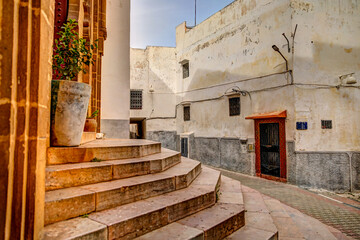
{"x": 350, "y": 154}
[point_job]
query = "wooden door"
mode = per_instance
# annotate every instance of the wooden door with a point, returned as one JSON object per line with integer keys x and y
{"x": 270, "y": 148}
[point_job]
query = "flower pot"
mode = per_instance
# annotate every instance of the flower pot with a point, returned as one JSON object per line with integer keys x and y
{"x": 90, "y": 125}
{"x": 69, "y": 103}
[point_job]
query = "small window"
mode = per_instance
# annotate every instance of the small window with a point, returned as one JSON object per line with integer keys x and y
{"x": 326, "y": 124}
{"x": 135, "y": 99}
{"x": 186, "y": 71}
{"x": 186, "y": 113}
{"x": 234, "y": 106}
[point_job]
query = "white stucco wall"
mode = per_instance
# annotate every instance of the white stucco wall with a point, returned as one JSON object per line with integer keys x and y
{"x": 233, "y": 48}
{"x": 327, "y": 46}
{"x": 115, "y": 88}
{"x": 155, "y": 68}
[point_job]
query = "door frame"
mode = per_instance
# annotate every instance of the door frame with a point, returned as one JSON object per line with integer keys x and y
{"x": 282, "y": 150}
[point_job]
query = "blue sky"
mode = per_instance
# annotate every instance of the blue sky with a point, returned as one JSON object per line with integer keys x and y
{"x": 153, "y": 22}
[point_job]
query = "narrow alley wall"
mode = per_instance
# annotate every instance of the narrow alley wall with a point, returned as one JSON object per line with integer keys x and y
{"x": 233, "y": 49}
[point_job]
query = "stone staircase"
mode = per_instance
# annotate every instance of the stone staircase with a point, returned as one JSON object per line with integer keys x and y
{"x": 126, "y": 189}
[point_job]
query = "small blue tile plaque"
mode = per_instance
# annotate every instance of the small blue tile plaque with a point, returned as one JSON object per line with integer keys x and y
{"x": 301, "y": 125}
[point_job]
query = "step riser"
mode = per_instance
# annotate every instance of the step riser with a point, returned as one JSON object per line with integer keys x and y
{"x": 69, "y": 208}
{"x": 78, "y": 177}
{"x": 114, "y": 198}
{"x": 226, "y": 228}
{"x": 77, "y": 155}
{"x": 151, "y": 221}
{"x": 191, "y": 206}
{"x": 121, "y": 171}
{"x": 158, "y": 166}
{"x": 184, "y": 181}
{"x": 107, "y": 171}
{"x": 138, "y": 226}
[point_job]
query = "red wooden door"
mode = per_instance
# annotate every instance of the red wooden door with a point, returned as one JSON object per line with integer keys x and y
{"x": 270, "y": 148}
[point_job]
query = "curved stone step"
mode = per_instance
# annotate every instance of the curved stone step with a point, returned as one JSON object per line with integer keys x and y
{"x": 299, "y": 224}
{"x": 103, "y": 149}
{"x": 67, "y": 203}
{"x": 78, "y": 174}
{"x": 216, "y": 222}
{"x": 137, "y": 218}
{"x": 259, "y": 223}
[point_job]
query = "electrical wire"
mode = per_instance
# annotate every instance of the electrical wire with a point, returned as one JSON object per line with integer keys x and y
{"x": 236, "y": 89}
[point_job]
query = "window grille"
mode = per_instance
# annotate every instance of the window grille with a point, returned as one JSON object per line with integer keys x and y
{"x": 186, "y": 71}
{"x": 234, "y": 106}
{"x": 326, "y": 124}
{"x": 186, "y": 113}
{"x": 136, "y": 99}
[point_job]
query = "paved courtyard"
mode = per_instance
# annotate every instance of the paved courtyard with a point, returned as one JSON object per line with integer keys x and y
{"x": 340, "y": 213}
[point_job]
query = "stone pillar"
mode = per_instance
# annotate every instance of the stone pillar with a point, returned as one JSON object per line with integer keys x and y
{"x": 26, "y": 38}
{"x": 115, "y": 85}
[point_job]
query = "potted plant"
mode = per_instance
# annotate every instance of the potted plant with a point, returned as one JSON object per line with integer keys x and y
{"x": 69, "y": 98}
{"x": 90, "y": 123}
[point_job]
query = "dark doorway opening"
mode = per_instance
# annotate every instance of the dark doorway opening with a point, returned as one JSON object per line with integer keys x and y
{"x": 184, "y": 147}
{"x": 270, "y": 149}
{"x": 138, "y": 128}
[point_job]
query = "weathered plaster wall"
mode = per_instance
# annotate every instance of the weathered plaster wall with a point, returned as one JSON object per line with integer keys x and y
{"x": 327, "y": 46}
{"x": 154, "y": 71}
{"x": 233, "y": 49}
{"x": 115, "y": 85}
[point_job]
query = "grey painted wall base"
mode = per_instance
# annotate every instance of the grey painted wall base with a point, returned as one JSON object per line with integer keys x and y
{"x": 115, "y": 128}
{"x": 323, "y": 170}
{"x": 166, "y": 138}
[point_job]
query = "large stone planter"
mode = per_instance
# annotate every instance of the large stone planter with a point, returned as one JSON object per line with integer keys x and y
{"x": 69, "y": 103}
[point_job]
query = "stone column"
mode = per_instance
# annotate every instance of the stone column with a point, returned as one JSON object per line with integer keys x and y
{"x": 115, "y": 84}
{"x": 26, "y": 38}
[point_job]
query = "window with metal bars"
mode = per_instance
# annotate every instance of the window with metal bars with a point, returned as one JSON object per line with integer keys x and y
{"x": 326, "y": 124}
{"x": 135, "y": 99}
{"x": 186, "y": 71}
{"x": 234, "y": 106}
{"x": 186, "y": 113}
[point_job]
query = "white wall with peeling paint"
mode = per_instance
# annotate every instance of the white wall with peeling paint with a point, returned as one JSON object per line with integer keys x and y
{"x": 233, "y": 48}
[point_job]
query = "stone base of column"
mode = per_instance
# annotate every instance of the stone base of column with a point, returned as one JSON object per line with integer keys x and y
{"x": 115, "y": 128}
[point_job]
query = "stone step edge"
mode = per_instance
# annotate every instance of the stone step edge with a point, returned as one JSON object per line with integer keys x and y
{"x": 66, "y": 227}
{"x": 203, "y": 189}
{"x": 62, "y": 155}
{"x": 170, "y": 213}
{"x": 54, "y": 212}
{"x": 235, "y": 219}
{"x": 52, "y": 170}
{"x": 279, "y": 214}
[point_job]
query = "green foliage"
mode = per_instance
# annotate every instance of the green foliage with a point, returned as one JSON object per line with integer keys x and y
{"x": 85, "y": 215}
{"x": 94, "y": 114}
{"x": 96, "y": 160}
{"x": 71, "y": 53}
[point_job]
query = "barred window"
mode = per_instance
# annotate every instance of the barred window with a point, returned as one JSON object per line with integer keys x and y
{"x": 186, "y": 71}
{"x": 135, "y": 99}
{"x": 234, "y": 106}
{"x": 326, "y": 124}
{"x": 186, "y": 113}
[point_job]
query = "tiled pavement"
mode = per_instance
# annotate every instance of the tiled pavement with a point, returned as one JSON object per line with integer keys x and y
{"x": 341, "y": 216}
